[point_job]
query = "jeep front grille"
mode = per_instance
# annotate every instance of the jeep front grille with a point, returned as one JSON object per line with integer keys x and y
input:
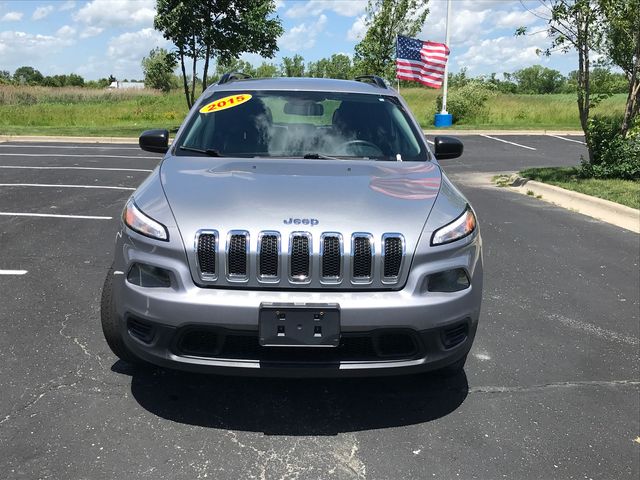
{"x": 362, "y": 253}
{"x": 363, "y": 260}
{"x": 268, "y": 255}
{"x": 331, "y": 256}
{"x": 237, "y": 255}
{"x": 392, "y": 254}
{"x": 300, "y": 261}
{"x": 206, "y": 245}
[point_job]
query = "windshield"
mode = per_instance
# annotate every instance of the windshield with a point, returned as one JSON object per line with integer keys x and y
{"x": 313, "y": 125}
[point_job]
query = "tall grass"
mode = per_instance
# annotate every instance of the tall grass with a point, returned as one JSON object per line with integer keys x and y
{"x": 82, "y": 111}
{"x": 514, "y": 111}
{"x": 23, "y": 95}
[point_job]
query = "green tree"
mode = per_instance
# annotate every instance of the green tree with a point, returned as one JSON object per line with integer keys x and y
{"x": 75, "y": 80}
{"x": 317, "y": 69}
{"x": 27, "y": 76}
{"x": 577, "y": 25}
{"x": 234, "y": 65}
{"x": 158, "y": 69}
{"x": 538, "y": 79}
{"x": 460, "y": 79}
{"x": 293, "y": 67}
{"x": 622, "y": 46}
{"x": 5, "y": 76}
{"x": 339, "y": 66}
{"x": 49, "y": 81}
{"x": 100, "y": 83}
{"x": 385, "y": 19}
{"x": 266, "y": 70}
{"x": 222, "y": 29}
{"x": 605, "y": 82}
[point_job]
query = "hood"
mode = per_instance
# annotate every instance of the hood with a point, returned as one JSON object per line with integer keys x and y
{"x": 300, "y": 195}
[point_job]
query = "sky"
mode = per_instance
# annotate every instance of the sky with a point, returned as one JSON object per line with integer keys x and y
{"x": 101, "y": 37}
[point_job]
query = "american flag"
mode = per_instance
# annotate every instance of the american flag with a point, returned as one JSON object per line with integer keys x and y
{"x": 421, "y": 61}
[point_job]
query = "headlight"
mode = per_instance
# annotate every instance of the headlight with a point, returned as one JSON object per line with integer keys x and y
{"x": 462, "y": 226}
{"x": 139, "y": 222}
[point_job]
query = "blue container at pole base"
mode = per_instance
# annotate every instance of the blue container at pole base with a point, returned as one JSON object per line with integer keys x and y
{"x": 443, "y": 120}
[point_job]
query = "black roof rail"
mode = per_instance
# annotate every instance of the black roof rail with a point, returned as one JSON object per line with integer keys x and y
{"x": 231, "y": 76}
{"x": 373, "y": 79}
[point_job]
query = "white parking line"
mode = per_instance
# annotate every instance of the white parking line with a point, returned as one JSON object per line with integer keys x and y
{"x": 566, "y": 139}
{"x": 506, "y": 141}
{"x": 111, "y": 147}
{"x": 47, "y": 185}
{"x": 76, "y": 168}
{"x": 52, "y": 215}
{"x": 12, "y": 272}
{"x": 430, "y": 142}
{"x": 49, "y": 155}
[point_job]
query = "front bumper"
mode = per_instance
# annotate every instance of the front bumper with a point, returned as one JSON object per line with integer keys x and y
{"x": 424, "y": 317}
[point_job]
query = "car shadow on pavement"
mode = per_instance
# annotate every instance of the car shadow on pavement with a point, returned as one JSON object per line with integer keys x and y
{"x": 294, "y": 406}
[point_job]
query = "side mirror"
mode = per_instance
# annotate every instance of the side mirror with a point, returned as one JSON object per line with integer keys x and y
{"x": 447, "y": 147}
{"x": 156, "y": 141}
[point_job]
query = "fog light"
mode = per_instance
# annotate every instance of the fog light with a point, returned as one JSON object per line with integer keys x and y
{"x": 147, "y": 276}
{"x": 448, "y": 281}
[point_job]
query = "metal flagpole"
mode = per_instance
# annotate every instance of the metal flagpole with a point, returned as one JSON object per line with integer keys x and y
{"x": 446, "y": 66}
{"x": 397, "y": 79}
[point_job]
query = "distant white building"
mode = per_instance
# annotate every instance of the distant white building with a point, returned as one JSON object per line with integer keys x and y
{"x": 127, "y": 85}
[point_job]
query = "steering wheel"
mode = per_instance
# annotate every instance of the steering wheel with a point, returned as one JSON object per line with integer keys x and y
{"x": 348, "y": 145}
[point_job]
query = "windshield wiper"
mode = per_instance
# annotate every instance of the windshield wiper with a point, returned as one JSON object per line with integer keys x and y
{"x": 208, "y": 151}
{"x": 318, "y": 156}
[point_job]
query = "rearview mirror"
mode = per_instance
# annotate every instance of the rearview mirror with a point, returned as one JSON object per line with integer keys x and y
{"x": 447, "y": 147}
{"x": 307, "y": 109}
{"x": 156, "y": 141}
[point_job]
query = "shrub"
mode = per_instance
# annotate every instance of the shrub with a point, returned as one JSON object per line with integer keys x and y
{"x": 613, "y": 155}
{"x": 468, "y": 101}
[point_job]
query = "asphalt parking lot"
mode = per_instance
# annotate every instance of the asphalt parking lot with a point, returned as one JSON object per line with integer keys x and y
{"x": 551, "y": 389}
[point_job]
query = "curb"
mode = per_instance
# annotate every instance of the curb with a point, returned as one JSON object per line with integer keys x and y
{"x": 504, "y": 133}
{"x": 598, "y": 208}
{"x": 63, "y": 139}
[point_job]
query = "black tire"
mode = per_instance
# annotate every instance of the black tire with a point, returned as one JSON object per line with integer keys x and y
{"x": 109, "y": 320}
{"x": 453, "y": 369}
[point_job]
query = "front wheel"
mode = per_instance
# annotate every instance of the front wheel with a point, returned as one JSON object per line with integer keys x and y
{"x": 110, "y": 327}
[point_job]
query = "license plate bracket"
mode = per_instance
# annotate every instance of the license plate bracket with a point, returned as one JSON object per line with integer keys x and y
{"x": 299, "y": 325}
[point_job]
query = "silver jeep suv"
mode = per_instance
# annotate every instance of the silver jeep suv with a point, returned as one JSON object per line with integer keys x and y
{"x": 296, "y": 227}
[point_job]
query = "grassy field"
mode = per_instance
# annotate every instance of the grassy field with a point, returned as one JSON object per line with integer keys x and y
{"x": 78, "y": 111}
{"x": 626, "y": 192}
{"x": 514, "y": 112}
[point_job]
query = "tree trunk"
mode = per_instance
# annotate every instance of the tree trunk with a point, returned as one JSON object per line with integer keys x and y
{"x": 184, "y": 79}
{"x": 584, "y": 87}
{"x": 583, "y": 96}
{"x": 633, "y": 99}
{"x": 207, "y": 40}
{"x": 194, "y": 72}
{"x": 206, "y": 67}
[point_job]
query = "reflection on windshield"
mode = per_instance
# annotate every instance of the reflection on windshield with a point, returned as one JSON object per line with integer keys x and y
{"x": 311, "y": 125}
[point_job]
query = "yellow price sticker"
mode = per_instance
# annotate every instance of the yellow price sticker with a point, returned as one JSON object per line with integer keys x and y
{"x": 226, "y": 102}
